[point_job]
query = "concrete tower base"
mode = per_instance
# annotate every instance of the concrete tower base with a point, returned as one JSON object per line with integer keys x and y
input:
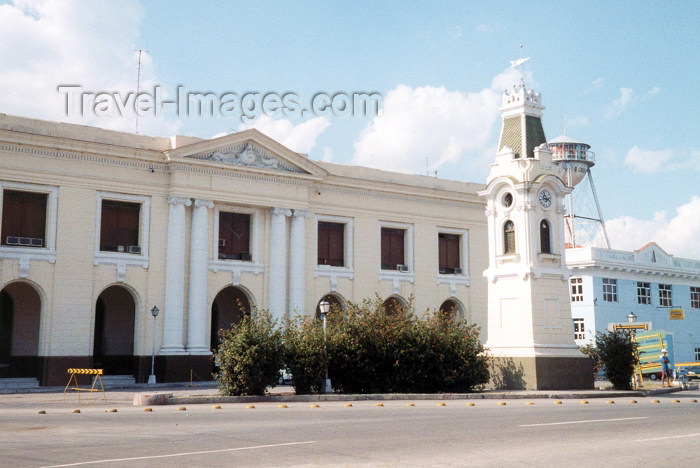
{"x": 541, "y": 373}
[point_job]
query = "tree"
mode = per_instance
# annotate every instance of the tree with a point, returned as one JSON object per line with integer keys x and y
{"x": 303, "y": 354}
{"x": 377, "y": 349}
{"x": 250, "y": 355}
{"x": 592, "y": 352}
{"x": 618, "y": 355}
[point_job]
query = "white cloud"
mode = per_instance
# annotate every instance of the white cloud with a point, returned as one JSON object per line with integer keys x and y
{"x": 678, "y": 235}
{"x": 627, "y": 98}
{"x": 578, "y": 121}
{"x": 490, "y": 28}
{"x": 430, "y": 123}
{"x": 44, "y": 44}
{"x": 328, "y": 154}
{"x": 648, "y": 160}
{"x": 652, "y": 92}
{"x": 300, "y": 138}
{"x": 619, "y": 105}
{"x": 598, "y": 83}
{"x": 455, "y": 32}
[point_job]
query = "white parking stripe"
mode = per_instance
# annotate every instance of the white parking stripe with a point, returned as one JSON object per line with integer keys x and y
{"x": 668, "y": 437}
{"x": 183, "y": 454}
{"x": 581, "y": 422}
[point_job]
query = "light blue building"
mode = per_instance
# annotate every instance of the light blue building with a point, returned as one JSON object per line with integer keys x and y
{"x": 659, "y": 289}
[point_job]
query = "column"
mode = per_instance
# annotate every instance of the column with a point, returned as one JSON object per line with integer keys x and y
{"x": 175, "y": 277}
{"x": 197, "y": 311}
{"x": 277, "y": 290}
{"x": 297, "y": 263}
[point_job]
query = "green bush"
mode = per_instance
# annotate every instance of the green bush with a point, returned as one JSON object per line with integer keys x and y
{"x": 374, "y": 350}
{"x": 250, "y": 355}
{"x": 592, "y": 352}
{"x": 304, "y": 356}
{"x": 618, "y": 355}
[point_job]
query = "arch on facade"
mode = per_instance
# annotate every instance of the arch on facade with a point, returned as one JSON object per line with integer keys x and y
{"x": 337, "y": 302}
{"x": 228, "y": 308}
{"x": 20, "y": 329}
{"x": 394, "y": 304}
{"x": 545, "y": 236}
{"x": 509, "y": 237}
{"x": 115, "y": 319}
{"x": 454, "y": 309}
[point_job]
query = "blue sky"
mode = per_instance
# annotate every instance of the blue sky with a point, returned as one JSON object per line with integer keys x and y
{"x": 621, "y": 75}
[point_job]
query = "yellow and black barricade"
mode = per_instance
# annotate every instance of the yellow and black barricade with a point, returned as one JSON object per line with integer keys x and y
{"x": 74, "y": 379}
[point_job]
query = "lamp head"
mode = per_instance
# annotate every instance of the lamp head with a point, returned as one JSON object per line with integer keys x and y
{"x": 154, "y": 311}
{"x": 324, "y": 306}
{"x": 631, "y": 317}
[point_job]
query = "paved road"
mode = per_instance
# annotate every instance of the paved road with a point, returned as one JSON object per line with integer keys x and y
{"x": 487, "y": 434}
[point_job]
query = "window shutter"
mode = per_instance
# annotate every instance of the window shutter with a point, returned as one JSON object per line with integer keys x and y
{"x": 11, "y": 214}
{"x": 336, "y": 244}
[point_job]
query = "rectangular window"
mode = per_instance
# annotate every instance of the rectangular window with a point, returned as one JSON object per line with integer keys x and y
{"x": 234, "y": 236}
{"x": 643, "y": 293}
{"x": 393, "y": 249}
{"x": 697, "y": 354}
{"x": 24, "y": 218}
{"x": 331, "y": 244}
{"x": 576, "y": 289}
{"x": 609, "y": 290}
{"x": 695, "y": 297}
{"x": 665, "y": 296}
{"x": 579, "y": 331}
{"x": 448, "y": 253}
{"x": 119, "y": 228}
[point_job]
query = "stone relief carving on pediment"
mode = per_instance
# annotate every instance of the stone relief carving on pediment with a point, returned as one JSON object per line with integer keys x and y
{"x": 248, "y": 156}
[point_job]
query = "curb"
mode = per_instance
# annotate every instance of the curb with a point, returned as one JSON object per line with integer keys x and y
{"x": 170, "y": 399}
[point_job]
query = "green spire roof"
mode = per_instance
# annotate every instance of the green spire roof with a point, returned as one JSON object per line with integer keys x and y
{"x": 511, "y": 135}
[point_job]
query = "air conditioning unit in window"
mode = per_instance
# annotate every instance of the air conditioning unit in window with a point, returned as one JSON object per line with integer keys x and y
{"x": 25, "y": 241}
{"x": 12, "y": 240}
{"x": 37, "y": 242}
{"x": 134, "y": 249}
{"x": 457, "y": 271}
{"x": 120, "y": 248}
{"x": 402, "y": 267}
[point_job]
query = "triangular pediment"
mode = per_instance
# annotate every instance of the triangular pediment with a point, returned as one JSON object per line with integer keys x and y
{"x": 249, "y": 149}
{"x": 652, "y": 253}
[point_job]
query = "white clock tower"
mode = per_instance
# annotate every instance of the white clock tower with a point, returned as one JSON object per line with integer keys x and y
{"x": 530, "y": 331}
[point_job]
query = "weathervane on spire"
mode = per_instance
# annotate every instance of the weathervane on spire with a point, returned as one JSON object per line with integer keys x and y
{"x": 519, "y": 64}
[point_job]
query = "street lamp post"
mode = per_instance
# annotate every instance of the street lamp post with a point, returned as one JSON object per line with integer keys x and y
{"x": 324, "y": 306}
{"x": 632, "y": 318}
{"x": 152, "y": 377}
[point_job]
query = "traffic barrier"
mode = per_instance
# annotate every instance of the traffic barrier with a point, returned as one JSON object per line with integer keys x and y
{"x": 77, "y": 388}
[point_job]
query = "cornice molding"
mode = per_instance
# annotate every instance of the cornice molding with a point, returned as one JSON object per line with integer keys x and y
{"x": 200, "y": 166}
{"x": 476, "y": 205}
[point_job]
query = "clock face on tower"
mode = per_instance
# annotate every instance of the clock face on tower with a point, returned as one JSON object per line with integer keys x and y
{"x": 545, "y": 198}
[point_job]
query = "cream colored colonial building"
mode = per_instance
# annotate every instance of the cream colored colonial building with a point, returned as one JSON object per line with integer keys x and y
{"x": 98, "y": 227}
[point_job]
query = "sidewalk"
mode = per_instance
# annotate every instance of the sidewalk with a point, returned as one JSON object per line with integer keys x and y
{"x": 207, "y": 393}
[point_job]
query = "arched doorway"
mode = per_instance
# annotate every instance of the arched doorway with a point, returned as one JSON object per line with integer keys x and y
{"x": 453, "y": 309}
{"x": 337, "y": 304}
{"x": 113, "y": 345}
{"x": 394, "y": 304}
{"x": 229, "y": 306}
{"x": 20, "y": 319}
